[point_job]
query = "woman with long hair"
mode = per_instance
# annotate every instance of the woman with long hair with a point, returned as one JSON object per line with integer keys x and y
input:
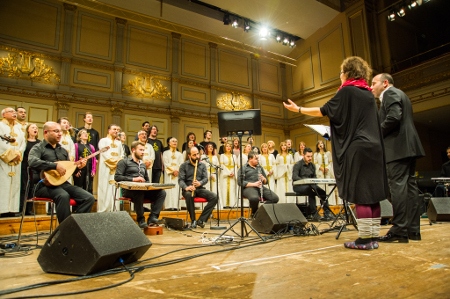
{"x": 272, "y": 149}
{"x": 84, "y": 177}
{"x": 189, "y": 137}
{"x": 300, "y": 153}
{"x": 283, "y": 173}
{"x": 172, "y": 160}
{"x": 228, "y": 186}
{"x": 31, "y": 136}
{"x": 210, "y": 153}
{"x": 267, "y": 162}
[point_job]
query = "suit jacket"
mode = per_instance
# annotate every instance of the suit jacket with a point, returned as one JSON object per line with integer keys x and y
{"x": 399, "y": 133}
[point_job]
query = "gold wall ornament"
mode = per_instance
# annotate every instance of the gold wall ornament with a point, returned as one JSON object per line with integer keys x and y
{"x": 26, "y": 66}
{"x": 148, "y": 87}
{"x": 233, "y": 101}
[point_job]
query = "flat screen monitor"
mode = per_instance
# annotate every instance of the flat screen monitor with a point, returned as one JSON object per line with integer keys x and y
{"x": 244, "y": 122}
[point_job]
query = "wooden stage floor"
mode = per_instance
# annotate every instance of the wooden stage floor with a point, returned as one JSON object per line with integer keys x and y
{"x": 186, "y": 264}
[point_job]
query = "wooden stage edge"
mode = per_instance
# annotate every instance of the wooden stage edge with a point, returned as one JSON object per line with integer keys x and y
{"x": 11, "y": 225}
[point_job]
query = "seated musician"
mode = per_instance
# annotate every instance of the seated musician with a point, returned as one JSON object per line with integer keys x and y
{"x": 133, "y": 169}
{"x": 304, "y": 169}
{"x": 441, "y": 190}
{"x": 254, "y": 180}
{"x": 43, "y": 157}
{"x": 192, "y": 180}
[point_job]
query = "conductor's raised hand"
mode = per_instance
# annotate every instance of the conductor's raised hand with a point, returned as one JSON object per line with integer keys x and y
{"x": 291, "y": 106}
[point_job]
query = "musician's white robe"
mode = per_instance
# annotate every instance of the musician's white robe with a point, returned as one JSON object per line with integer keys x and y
{"x": 172, "y": 162}
{"x": 321, "y": 161}
{"x": 212, "y": 176}
{"x": 106, "y": 170}
{"x": 149, "y": 155}
{"x": 283, "y": 175}
{"x": 268, "y": 164}
{"x": 228, "y": 185}
{"x": 10, "y": 171}
{"x": 67, "y": 143}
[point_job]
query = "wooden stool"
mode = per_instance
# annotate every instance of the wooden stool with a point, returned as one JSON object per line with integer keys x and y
{"x": 153, "y": 230}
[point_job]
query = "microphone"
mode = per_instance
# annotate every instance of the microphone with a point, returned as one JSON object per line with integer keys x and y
{"x": 75, "y": 129}
{"x": 205, "y": 158}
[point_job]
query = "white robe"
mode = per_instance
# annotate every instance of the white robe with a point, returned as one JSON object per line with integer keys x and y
{"x": 212, "y": 176}
{"x": 321, "y": 160}
{"x": 106, "y": 170}
{"x": 283, "y": 175}
{"x": 228, "y": 185}
{"x": 149, "y": 155}
{"x": 297, "y": 157}
{"x": 10, "y": 173}
{"x": 268, "y": 163}
{"x": 67, "y": 143}
{"x": 172, "y": 162}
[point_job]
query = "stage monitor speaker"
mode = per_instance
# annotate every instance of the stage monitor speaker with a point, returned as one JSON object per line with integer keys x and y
{"x": 439, "y": 209}
{"x": 93, "y": 242}
{"x": 272, "y": 218}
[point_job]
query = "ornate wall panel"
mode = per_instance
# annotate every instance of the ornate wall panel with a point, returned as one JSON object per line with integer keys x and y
{"x": 271, "y": 109}
{"x": 92, "y": 78}
{"x": 94, "y": 36}
{"x": 148, "y": 48}
{"x": 194, "y": 95}
{"x": 234, "y": 68}
{"x": 331, "y": 47}
{"x": 31, "y": 22}
{"x": 269, "y": 77}
{"x": 358, "y": 35}
{"x": 303, "y": 74}
{"x": 194, "y": 59}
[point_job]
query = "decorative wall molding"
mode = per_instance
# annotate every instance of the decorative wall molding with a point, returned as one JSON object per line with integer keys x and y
{"x": 233, "y": 101}
{"x": 25, "y": 65}
{"x": 147, "y": 87}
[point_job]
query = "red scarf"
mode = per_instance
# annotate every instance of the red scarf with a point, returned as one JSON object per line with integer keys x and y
{"x": 356, "y": 82}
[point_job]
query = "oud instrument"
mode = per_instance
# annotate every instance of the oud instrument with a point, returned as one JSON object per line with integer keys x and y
{"x": 53, "y": 178}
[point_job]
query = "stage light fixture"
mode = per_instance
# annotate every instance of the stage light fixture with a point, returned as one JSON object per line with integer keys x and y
{"x": 278, "y": 38}
{"x": 414, "y": 4}
{"x": 285, "y": 41}
{"x": 246, "y": 25}
{"x": 226, "y": 19}
{"x": 263, "y": 33}
{"x": 391, "y": 16}
{"x": 235, "y": 23}
{"x": 401, "y": 12}
{"x": 425, "y": 1}
{"x": 292, "y": 44}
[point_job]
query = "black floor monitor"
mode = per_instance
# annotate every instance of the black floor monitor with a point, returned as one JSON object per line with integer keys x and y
{"x": 244, "y": 122}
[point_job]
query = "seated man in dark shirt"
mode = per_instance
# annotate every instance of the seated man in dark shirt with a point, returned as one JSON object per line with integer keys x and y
{"x": 253, "y": 182}
{"x": 194, "y": 183}
{"x": 304, "y": 169}
{"x": 441, "y": 189}
{"x": 132, "y": 169}
{"x": 45, "y": 156}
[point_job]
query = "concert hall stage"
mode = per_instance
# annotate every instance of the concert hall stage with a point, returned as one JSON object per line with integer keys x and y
{"x": 186, "y": 264}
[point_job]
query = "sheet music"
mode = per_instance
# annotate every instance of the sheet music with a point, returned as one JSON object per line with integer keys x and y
{"x": 322, "y": 130}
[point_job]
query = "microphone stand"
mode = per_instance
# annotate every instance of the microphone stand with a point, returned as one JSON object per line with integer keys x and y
{"x": 216, "y": 167}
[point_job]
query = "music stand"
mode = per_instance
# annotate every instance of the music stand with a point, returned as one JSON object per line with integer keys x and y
{"x": 216, "y": 167}
{"x": 240, "y": 123}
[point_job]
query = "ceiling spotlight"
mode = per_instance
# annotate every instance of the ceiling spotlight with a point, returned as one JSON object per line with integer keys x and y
{"x": 425, "y": 1}
{"x": 235, "y": 23}
{"x": 278, "y": 38}
{"x": 285, "y": 41}
{"x": 246, "y": 25}
{"x": 226, "y": 19}
{"x": 391, "y": 16}
{"x": 263, "y": 33}
{"x": 413, "y": 4}
{"x": 292, "y": 44}
{"x": 401, "y": 12}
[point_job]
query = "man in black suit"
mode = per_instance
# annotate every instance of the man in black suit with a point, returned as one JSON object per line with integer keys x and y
{"x": 402, "y": 147}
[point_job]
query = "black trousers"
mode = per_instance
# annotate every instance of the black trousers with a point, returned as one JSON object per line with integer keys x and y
{"x": 253, "y": 195}
{"x": 156, "y": 197}
{"x": 404, "y": 196}
{"x": 312, "y": 191}
{"x": 156, "y": 175}
{"x": 207, "y": 210}
{"x": 62, "y": 194}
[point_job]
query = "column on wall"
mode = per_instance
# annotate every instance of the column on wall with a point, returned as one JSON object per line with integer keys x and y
{"x": 175, "y": 66}
{"x": 62, "y": 110}
{"x": 118, "y": 64}
{"x": 175, "y": 123}
{"x": 117, "y": 113}
{"x": 69, "y": 13}
{"x": 255, "y": 78}
{"x": 213, "y": 73}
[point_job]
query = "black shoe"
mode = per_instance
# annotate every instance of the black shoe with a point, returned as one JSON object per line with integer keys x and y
{"x": 201, "y": 224}
{"x": 143, "y": 224}
{"x": 152, "y": 221}
{"x": 414, "y": 236}
{"x": 194, "y": 224}
{"x": 390, "y": 237}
